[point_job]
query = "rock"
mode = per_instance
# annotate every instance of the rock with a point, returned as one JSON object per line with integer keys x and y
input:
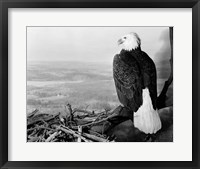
{"x": 102, "y": 128}
{"x": 165, "y": 136}
{"x": 166, "y": 116}
{"x": 126, "y": 132}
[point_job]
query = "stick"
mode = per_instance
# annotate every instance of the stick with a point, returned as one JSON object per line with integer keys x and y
{"x": 93, "y": 137}
{"x": 83, "y": 111}
{"x": 42, "y": 119}
{"x": 32, "y": 114}
{"x": 80, "y": 131}
{"x": 96, "y": 133}
{"x": 69, "y": 131}
{"x": 40, "y": 127}
{"x": 51, "y": 137}
{"x": 97, "y": 122}
{"x": 70, "y": 112}
{"x": 162, "y": 97}
{"x": 33, "y": 139}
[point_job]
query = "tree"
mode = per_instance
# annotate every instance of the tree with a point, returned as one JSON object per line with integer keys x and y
{"x": 161, "y": 101}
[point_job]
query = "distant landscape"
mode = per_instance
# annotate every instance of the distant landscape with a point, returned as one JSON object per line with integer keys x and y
{"x": 51, "y": 85}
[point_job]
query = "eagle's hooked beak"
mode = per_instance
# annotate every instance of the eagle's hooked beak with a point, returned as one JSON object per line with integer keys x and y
{"x": 120, "y": 41}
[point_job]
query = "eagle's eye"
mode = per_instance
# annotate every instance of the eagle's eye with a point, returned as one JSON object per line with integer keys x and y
{"x": 124, "y": 37}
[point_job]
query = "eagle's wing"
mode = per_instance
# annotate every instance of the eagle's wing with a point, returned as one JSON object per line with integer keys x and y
{"x": 128, "y": 82}
{"x": 150, "y": 77}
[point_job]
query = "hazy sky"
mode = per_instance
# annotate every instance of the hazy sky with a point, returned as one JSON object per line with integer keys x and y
{"x": 90, "y": 43}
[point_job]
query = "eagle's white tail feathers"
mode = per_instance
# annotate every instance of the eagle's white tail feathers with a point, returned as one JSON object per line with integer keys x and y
{"x": 146, "y": 118}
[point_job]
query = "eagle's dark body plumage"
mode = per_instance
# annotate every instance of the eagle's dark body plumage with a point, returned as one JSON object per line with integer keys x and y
{"x": 135, "y": 79}
{"x": 134, "y": 71}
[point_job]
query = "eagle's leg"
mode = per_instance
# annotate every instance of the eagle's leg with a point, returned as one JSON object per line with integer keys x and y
{"x": 150, "y": 138}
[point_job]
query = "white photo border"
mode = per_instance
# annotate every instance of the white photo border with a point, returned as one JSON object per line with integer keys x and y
{"x": 179, "y": 150}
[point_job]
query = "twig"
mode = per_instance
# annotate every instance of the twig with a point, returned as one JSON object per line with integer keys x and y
{"x": 100, "y": 121}
{"x": 51, "y": 137}
{"x": 70, "y": 112}
{"x": 69, "y": 131}
{"x": 40, "y": 118}
{"x": 162, "y": 97}
{"x": 87, "y": 107}
{"x": 99, "y": 115}
{"x": 33, "y": 139}
{"x": 92, "y": 137}
{"x": 96, "y": 133}
{"x": 83, "y": 111}
{"x": 40, "y": 127}
{"x": 32, "y": 114}
{"x": 80, "y": 131}
{"x": 95, "y": 138}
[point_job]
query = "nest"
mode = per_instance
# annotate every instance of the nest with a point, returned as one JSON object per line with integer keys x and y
{"x": 75, "y": 126}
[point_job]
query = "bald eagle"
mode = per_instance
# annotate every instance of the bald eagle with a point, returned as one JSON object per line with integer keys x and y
{"x": 135, "y": 79}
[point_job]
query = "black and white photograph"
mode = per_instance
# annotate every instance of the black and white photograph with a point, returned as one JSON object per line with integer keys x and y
{"x": 99, "y": 84}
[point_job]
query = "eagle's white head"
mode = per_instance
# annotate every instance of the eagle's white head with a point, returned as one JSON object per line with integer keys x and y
{"x": 130, "y": 41}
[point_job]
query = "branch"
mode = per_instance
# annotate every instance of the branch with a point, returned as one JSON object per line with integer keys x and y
{"x": 89, "y": 136}
{"x": 96, "y": 122}
{"x": 32, "y": 114}
{"x": 69, "y": 131}
{"x": 95, "y": 138}
{"x": 40, "y": 127}
{"x": 42, "y": 118}
{"x": 51, "y": 137}
{"x": 162, "y": 97}
{"x": 71, "y": 116}
{"x": 80, "y": 131}
{"x": 83, "y": 111}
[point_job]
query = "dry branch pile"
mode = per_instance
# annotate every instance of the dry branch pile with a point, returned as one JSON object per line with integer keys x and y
{"x": 87, "y": 126}
{"x": 75, "y": 126}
